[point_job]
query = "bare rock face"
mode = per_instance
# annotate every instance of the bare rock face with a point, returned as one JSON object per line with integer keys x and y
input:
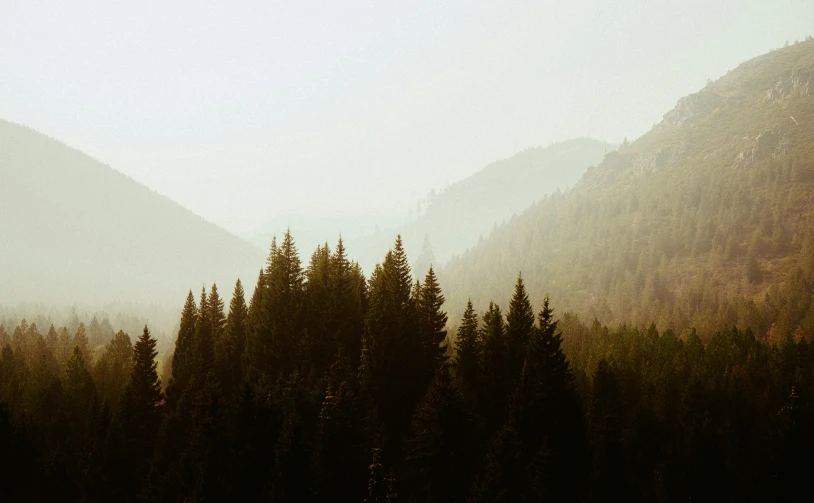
{"x": 631, "y": 164}
{"x": 652, "y": 162}
{"x": 693, "y": 107}
{"x": 771, "y": 143}
{"x": 797, "y": 82}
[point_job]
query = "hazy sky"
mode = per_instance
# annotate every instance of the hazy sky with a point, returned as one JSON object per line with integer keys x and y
{"x": 241, "y": 110}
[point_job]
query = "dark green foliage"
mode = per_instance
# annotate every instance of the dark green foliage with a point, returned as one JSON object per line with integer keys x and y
{"x": 391, "y": 333}
{"x": 440, "y": 454}
{"x": 112, "y": 372}
{"x": 519, "y": 328}
{"x": 469, "y": 350}
{"x": 230, "y": 346}
{"x": 182, "y": 357}
{"x": 608, "y": 471}
{"x": 318, "y": 391}
{"x": 497, "y": 372}
{"x": 432, "y": 322}
{"x": 139, "y": 420}
{"x": 541, "y": 450}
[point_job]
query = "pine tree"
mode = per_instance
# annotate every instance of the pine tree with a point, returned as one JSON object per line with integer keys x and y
{"x": 432, "y": 322}
{"x": 496, "y": 377}
{"x": 348, "y": 296}
{"x": 519, "y": 327}
{"x": 440, "y": 454}
{"x": 342, "y": 435}
{"x": 141, "y": 414}
{"x": 112, "y": 371}
{"x": 80, "y": 340}
{"x": 546, "y": 414}
{"x": 394, "y": 348}
{"x": 216, "y": 316}
{"x": 230, "y": 347}
{"x": 318, "y": 347}
{"x": 182, "y": 357}
{"x": 469, "y": 350}
{"x": 79, "y": 399}
{"x": 253, "y": 358}
{"x": 79, "y": 386}
{"x": 280, "y": 324}
{"x": 608, "y": 474}
{"x": 204, "y": 342}
{"x": 51, "y": 338}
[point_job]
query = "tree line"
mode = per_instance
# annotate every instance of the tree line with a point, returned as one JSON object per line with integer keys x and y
{"x": 329, "y": 386}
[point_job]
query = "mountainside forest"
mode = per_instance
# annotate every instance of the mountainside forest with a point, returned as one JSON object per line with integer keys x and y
{"x": 327, "y": 386}
{"x": 92, "y": 235}
{"x": 705, "y": 221}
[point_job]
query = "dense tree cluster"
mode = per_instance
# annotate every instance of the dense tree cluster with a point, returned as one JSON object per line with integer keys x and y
{"x": 329, "y": 386}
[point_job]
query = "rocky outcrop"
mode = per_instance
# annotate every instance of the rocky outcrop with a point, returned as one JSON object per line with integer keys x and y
{"x": 771, "y": 143}
{"x": 797, "y": 82}
{"x": 693, "y": 107}
{"x": 633, "y": 164}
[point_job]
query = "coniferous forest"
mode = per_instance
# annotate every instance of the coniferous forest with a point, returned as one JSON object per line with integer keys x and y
{"x": 325, "y": 385}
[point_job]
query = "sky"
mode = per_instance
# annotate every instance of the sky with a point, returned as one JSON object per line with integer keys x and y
{"x": 243, "y": 111}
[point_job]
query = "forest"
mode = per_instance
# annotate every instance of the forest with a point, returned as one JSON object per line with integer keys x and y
{"x": 326, "y": 385}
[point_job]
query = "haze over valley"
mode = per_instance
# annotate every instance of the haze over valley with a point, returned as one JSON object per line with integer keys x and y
{"x": 422, "y": 252}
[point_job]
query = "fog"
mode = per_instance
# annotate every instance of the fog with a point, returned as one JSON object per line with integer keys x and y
{"x": 249, "y": 112}
{"x": 406, "y": 251}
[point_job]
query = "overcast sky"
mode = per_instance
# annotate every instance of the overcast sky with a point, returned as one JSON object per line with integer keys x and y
{"x": 241, "y": 110}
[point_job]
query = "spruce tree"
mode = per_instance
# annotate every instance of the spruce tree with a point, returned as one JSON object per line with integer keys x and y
{"x": 543, "y": 444}
{"x": 318, "y": 347}
{"x": 496, "y": 378}
{"x": 469, "y": 351}
{"x": 519, "y": 327}
{"x": 394, "y": 348}
{"x": 230, "y": 347}
{"x": 342, "y": 435}
{"x": 348, "y": 295}
{"x": 253, "y": 357}
{"x": 281, "y": 321}
{"x": 441, "y": 451}
{"x": 432, "y": 322}
{"x": 141, "y": 414}
{"x": 183, "y": 355}
{"x": 204, "y": 342}
{"x": 216, "y": 315}
{"x": 608, "y": 472}
{"x": 80, "y": 340}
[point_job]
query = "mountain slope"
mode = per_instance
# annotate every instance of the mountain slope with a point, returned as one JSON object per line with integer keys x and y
{"x": 455, "y": 218}
{"x": 705, "y": 221}
{"x": 74, "y": 230}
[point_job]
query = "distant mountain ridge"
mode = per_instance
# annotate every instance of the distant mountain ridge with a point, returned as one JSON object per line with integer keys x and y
{"x": 705, "y": 221}
{"x": 74, "y": 230}
{"x": 456, "y": 217}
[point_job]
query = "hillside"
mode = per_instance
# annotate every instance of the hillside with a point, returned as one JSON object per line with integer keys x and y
{"x": 705, "y": 221}
{"x": 458, "y": 216}
{"x": 76, "y": 231}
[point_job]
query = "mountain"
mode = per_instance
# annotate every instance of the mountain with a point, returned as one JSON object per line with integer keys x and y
{"x": 76, "y": 231}
{"x": 454, "y": 218}
{"x": 705, "y": 221}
